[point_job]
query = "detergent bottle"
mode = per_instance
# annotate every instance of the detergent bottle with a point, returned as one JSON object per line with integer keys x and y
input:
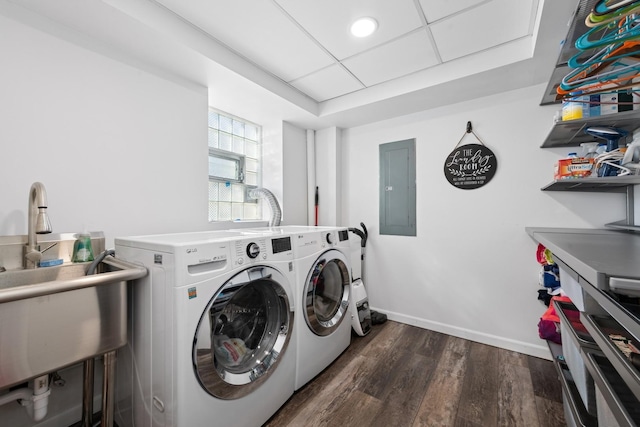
{"x": 82, "y": 249}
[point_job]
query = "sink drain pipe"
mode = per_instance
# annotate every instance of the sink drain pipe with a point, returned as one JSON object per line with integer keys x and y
{"x": 35, "y": 400}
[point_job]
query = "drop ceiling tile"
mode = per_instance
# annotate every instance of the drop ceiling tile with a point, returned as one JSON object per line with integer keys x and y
{"x": 477, "y": 29}
{"x": 327, "y": 83}
{"x": 257, "y": 30}
{"x": 438, "y": 9}
{"x": 328, "y": 21}
{"x": 396, "y": 59}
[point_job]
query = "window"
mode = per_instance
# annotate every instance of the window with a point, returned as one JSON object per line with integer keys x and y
{"x": 234, "y": 167}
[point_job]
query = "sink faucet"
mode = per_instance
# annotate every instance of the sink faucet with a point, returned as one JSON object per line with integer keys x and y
{"x": 38, "y": 224}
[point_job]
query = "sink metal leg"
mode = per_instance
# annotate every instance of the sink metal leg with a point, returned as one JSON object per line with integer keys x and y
{"x": 108, "y": 389}
{"x": 87, "y": 393}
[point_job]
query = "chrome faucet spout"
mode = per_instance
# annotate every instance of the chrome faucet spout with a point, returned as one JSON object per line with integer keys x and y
{"x": 38, "y": 224}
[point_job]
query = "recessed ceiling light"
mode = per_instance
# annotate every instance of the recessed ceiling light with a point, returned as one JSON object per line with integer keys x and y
{"x": 364, "y": 27}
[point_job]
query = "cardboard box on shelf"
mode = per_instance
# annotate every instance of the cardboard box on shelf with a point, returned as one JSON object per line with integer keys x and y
{"x": 579, "y": 167}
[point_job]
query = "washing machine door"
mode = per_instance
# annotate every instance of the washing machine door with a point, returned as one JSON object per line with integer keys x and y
{"x": 243, "y": 333}
{"x": 326, "y": 293}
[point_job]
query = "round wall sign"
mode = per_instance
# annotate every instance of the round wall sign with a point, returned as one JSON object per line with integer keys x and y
{"x": 470, "y": 166}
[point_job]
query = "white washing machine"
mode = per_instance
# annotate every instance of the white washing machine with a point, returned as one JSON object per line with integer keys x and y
{"x": 211, "y": 339}
{"x": 323, "y": 285}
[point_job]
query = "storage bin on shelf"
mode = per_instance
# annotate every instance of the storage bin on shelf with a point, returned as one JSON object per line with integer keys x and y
{"x": 574, "y": 337}
{"x": 616, "y": 404}
{"x": 570, "y": 285}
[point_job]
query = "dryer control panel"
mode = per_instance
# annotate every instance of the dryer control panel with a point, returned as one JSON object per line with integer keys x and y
{"x": 330, "y": 238}
{"x": 335, "y": 237}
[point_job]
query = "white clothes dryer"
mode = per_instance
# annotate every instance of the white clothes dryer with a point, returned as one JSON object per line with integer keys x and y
{"x": 211, "y": 329}
{"x": 323, "y": 322}
{"x": 323, "y": 285}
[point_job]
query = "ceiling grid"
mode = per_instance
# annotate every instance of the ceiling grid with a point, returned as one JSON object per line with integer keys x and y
{"x": 299, "y": 53}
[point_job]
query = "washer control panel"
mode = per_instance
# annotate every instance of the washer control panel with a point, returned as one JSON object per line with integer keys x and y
{"x": 248, "y": 250}
{"x": 258, "y": 249}
{"x": 253, "y": 250}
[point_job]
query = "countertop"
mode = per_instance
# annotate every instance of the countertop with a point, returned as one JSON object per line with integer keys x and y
{"x": 594, "y": 254}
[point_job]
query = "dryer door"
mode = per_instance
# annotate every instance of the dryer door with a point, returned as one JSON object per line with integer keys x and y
{"x": 243, "y": 333}
{"x": 326, "y": 293}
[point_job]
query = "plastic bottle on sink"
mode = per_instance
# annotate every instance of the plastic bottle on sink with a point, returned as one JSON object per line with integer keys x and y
{"x": 82, "y": 249}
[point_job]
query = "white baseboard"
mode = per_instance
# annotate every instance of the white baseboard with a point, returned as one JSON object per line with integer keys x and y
{"x": 541, "y": 351}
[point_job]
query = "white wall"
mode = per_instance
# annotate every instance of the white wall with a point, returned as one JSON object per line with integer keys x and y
{"x": 117, "y": 149}
{"x": 329, "y": 175}
{"x": 471, "y": 271}
{"x": 272, "y": 160}
{"x": 294, "y": 178}
{"x": 284, "y": 165}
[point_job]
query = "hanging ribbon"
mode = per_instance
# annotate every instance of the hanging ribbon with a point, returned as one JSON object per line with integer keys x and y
{"x": 469, "y": 131}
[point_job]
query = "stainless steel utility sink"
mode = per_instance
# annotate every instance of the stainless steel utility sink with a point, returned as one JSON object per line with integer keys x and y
{"x": 53, "y": 317}
{"x": 17, "y": 278}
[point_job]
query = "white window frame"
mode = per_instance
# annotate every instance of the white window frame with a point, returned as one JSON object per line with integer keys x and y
{"x": 234, "y": 157}
{"x": 235, "y": 206}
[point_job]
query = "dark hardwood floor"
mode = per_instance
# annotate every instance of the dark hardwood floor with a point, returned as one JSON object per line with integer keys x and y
{"x": 401, "y": 375}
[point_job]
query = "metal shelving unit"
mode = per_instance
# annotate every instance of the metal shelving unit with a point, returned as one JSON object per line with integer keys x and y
{"x": 600, "y": 259}
{"x": 571, "y": 132}
{"x": 577, "y": 28}
{"x": 610, "y": 184}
